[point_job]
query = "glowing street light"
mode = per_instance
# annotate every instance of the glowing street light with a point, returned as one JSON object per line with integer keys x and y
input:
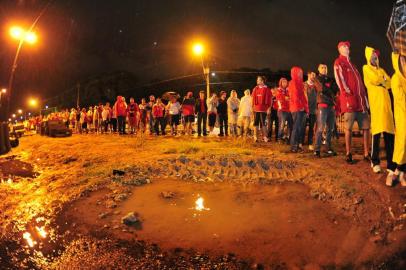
{"x": 20, "y": 111}
{"x": 3, "y": 91}
{"x": 198, "y": 50}
{"x": 33, "y": 102}
{"x": 22, "y": 35}
{"x": 14, "y": 115}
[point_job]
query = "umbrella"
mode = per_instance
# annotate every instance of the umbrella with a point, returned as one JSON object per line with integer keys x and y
{"x": 397, "y": 28}
{"x": 169, "y": 95}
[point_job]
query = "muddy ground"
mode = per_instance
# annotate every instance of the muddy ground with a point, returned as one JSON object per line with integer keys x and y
{"x": 204, "y": 203}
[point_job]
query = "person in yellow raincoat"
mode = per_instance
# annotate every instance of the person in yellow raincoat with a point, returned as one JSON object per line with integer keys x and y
{"x": 378, "y": 83}
{"x": 399, "y": 100}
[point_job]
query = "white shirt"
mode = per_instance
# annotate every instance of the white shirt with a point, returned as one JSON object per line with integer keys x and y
{"x": 174, "y": 108}
{"x": 246, "y": 106}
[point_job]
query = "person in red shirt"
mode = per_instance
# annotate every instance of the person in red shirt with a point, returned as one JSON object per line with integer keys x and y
{"x": 261, "y": 102}
{"x": 158, "y": 112}
{"x": 120, "y": 108}
{"x": 201, "y": 110}
{"x": 132, "y": 113}
{"x": 273, "y": 115}
{"x": 188, "y": 111}
{"x": 298, "y": 108}
{"x": 282, "y": 104}
{"x": 353, "y": 99}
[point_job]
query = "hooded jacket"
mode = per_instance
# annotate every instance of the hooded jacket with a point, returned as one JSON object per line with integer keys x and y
{"x": 378, "y": 84}
{"x": 352, "y": 92}
{"x": 282, "y": 97}
{"x": 298, "y": 101}
{"x": 120, "y": 107}
{"x": 399, "y": 98}
{"x": 261, "y": 98}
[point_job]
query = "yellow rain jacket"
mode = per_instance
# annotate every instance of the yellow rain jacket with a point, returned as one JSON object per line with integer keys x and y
{"x": 399, "y": 98}
{"x": 378, "y": 83}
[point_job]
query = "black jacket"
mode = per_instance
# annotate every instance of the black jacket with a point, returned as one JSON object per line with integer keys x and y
{"x": 198, "y": 107}
{"x": 328, "y": 92}
{"x": 222, "y": 107}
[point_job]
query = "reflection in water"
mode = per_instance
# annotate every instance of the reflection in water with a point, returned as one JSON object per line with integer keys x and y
{"x": 28, "y": 238}
{"x": 200, "y": 204}
{"x": 41, "y": 231}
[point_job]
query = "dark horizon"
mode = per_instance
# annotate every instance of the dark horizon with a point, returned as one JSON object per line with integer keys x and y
{"x": 150, "y": 39}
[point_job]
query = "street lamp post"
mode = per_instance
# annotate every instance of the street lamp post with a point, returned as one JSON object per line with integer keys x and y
{"x": 23, "y": 36}
{"x": 2, "y": 92}
{"x": 198, "y": 49}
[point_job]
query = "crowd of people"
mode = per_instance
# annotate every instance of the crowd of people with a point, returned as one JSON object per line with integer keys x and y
{"x": 290, "y": 108}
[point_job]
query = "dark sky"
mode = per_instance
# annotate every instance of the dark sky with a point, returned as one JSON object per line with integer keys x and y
{"x": 83, "y": 38}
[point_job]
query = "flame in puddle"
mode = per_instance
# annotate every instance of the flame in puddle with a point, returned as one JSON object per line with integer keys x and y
{"x": 28, "y": 238}
{"x": 199, "y": 204}
{"x": 41, "y": 231}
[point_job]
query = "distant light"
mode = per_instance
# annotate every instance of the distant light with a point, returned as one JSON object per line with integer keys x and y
{"x": 155, "y": 43}
{"x": 20, "y": 111}
{"x": 9, "y": 119}
{"x": 33, "y": 102}
{"x": 21, "y": 117}
{"x": 4, "y": 90}
{"x": 29, "y": 114}
{"x": 46, "y": 106}
{"x": 14, "y": 115}
{"x": 213, "y": 74}
{"x": 17, "y": 32}
{"x": 198, "y": 49}
{"x": 31, "y": 37}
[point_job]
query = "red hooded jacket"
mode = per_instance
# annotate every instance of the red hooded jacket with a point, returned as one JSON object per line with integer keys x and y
{"x": 282, "y": 97}
{"x": 261, "y": 98}
{"x": 298, "y": 101}
{"x": 352, "y": 91}
{"x": 121, "y": 107}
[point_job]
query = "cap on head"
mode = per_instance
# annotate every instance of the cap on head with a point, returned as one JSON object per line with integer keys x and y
{"x": 343, "y": 43}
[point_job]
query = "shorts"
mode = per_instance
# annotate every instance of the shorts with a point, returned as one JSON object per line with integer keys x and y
{"x": 362, "y": 118}
{"x": 212, "y": 119}
{"x": 175, "y": 119}
{"x": 189, "y": 118}
{"x": 259, "y": 119}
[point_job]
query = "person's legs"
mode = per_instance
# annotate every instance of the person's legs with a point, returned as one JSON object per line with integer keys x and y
{"x": 330, "y": 123}
{"x": 274, "y": 119}
{"x": 226, "y": 124}
{"x": 162, "y": 123}
{"x": 199, "y": 124}
{"x": 321, "y": 123}
{"x": 281, "y": 120}
{"x": 376, "y": 139}
{"x": 156, "y": 126}
{"x": 364, "y": 123}
{"x": 312, "y": 121}
{"x": 295, "y": 131}
{"x": 389, "y": 146}
{"x": 348, "y": 123}
{"x": 204, "y": 118}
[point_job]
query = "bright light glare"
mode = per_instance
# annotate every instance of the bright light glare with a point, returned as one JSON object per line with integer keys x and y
{"x": 198, "y": 49}
{"x": 17, "y": 32}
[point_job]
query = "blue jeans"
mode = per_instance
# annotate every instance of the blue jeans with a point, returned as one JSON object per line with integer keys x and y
{"x": 282, "y": 118}
{"x": 297, "y": 129}
{"x": 326, "y": 118}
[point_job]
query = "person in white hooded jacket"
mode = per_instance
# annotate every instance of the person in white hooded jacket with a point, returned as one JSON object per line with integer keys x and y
{"x": 233, "y": 105}
{"x": 245, "y": 112}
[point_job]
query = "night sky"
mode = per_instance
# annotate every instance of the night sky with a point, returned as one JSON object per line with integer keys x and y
{"x": 84, "y": 38}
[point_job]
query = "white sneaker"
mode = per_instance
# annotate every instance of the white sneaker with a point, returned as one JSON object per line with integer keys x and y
{"x": 266, "y": 139}
{"x": 311, "y": 147}
{"x": 402, "y": 179}
{"x": 376, "y": 168}
{"x": 390, "y": 178}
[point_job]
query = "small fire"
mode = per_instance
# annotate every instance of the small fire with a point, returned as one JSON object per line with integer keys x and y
{"x": 200, "y": 204}
{"x": 30, "y": 242}
{"x": 41, "y": 231}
